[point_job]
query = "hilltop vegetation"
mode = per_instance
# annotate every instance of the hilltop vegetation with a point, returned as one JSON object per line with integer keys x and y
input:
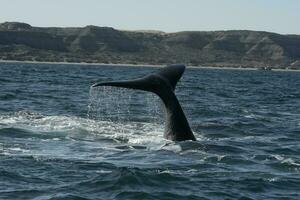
{"x": 20, "y": 41}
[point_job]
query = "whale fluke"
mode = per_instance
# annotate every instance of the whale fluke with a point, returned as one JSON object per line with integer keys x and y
{"x": 163, "y": 83}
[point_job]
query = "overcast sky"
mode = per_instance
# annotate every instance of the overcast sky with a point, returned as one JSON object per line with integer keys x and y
{"x": 281, "y": 16}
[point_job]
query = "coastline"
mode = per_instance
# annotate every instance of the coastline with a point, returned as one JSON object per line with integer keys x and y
{"x": 140, "y": 65}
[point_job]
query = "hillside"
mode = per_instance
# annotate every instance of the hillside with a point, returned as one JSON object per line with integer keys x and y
{"x": 20, "y": 41}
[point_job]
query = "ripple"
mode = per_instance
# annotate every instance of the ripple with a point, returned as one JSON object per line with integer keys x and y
{"x": 56, "y": 143}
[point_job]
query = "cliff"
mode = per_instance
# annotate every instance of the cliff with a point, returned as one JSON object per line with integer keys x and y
{"x": 20, "y": 41}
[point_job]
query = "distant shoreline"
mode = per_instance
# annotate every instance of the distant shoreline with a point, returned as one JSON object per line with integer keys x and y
{"x": 139, "y": 65}
{"x": 94, "y": 45}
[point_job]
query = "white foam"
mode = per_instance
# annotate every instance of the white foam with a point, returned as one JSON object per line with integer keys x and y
{"x": 290, "y": 161}
{"x": 132, "y": 132}
{"x": 73, "y": 128}
{"x": 103, "y": 171}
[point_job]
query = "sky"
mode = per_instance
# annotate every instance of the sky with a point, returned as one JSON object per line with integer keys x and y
{"x": 280, "y": 16}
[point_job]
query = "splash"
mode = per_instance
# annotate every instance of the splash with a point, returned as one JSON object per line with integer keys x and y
{"x": 123, "y": 106}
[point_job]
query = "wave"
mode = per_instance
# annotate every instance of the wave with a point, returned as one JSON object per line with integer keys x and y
{"x": 37, "y": 126}
{"x": 61, "y": 157}
{"x": 34, "y": 134}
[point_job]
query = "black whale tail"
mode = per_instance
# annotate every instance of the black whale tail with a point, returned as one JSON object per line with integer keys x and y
{"x": 167, "y": 76}
{"x": 163, "y": 83}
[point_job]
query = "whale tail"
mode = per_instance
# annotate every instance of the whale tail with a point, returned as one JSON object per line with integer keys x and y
{"x": 163, "y": 83}
{"x": 167, "y": 76}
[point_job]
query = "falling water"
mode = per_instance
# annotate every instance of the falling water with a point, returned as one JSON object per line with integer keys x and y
{"x": 122, "y": 106}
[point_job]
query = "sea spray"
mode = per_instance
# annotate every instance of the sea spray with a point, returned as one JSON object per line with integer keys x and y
{"x": 122, "y": 106}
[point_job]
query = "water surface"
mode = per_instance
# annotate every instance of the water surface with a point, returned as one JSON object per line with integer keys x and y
{"x": 61, "y": 140}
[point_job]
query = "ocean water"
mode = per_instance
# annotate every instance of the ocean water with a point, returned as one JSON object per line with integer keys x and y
{"x": 61, "y": 140}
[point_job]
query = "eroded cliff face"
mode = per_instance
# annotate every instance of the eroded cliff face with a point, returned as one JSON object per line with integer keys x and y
{"x": 20, "y": 41}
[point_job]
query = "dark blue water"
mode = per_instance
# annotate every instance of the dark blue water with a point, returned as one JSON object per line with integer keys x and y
{"x": 59, "y": 140}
